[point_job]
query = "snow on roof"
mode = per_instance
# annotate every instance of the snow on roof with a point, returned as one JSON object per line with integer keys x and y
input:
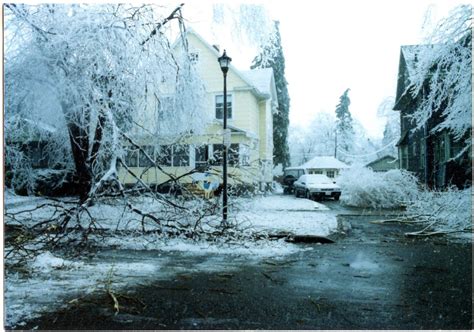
{"x": 260, "y": 78}
{"x": 260, "y": 93}
{"x": 322, "y": 162}
{"x": 387, "y": 156}
{"x": 412, "y": 54}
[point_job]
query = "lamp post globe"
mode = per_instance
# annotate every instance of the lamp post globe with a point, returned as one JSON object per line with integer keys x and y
{"x": 224, "y": 62}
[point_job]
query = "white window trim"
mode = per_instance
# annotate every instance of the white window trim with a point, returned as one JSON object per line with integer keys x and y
{"x": 231, "y": 95}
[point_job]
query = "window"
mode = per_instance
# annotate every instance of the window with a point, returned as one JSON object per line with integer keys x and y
{"x": 232, "y": 154}
{"x": 315, "y": 172}
{"x": 136, "y": 158}
{"x": 330, "y": 174}
{"x": 164, "y": 155}
{"x": 180, "y": 155}
{"x": 173, "y": 155}
{"x": 217, "y": 153}
{"x": 143, "y": 160}
{"x": 201, "y": 155}
{"x": 131, "y": 159}
{"x": 194, "y": 57}
{"x": 220, "y": 107}
{"x": 404, "y": 156}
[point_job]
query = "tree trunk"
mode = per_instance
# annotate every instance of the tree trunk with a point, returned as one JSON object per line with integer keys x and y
{"x": 79, "y": 147}
{"x": 99, "y": 129}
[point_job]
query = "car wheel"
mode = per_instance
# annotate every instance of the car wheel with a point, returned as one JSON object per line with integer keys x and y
{"x": 336, "y": 198}
{"x": 296, "y": 193}
{"x": 308, "y": 194}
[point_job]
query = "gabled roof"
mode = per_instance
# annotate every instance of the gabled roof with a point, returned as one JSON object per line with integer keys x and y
{"x": 255, "y": 89}
{"x": 322, "y": 163}
{"x": 260, "y": 78}
{"x": 392, "y": 159}
{"x": 409, "y": 57}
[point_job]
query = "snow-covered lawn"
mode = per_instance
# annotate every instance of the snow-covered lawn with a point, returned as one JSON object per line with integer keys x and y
{"x": 50, "y": 281}
{"x": 284, "y": 213}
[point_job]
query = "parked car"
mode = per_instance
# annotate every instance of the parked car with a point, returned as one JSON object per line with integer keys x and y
{"x": 290, "y": 175}
{"x": 316, "y": 186}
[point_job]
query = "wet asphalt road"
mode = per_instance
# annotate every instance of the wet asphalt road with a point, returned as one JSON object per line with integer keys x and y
{"x": 373, "y": 277}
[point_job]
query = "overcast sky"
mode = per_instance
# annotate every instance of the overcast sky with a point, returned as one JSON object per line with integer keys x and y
{"x": 330, "y": 46}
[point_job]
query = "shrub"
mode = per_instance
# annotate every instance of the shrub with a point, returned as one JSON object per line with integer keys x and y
{"x": 362, "y": 187}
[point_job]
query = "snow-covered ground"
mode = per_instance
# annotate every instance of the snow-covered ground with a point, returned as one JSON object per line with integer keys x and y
{"x": 285, "y": 213}
{"x": 50, "y": 281}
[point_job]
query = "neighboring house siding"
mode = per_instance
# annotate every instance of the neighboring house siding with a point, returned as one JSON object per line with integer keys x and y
{"x": 430, "y": 156}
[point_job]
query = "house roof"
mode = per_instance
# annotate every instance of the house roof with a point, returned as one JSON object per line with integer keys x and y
{"x": 392, "y": 159}
{"x": 322, "y": 162}
{"x": 409, "y": 57}
{"x": 249, "y": 80}
{"x": 260, "y": 78}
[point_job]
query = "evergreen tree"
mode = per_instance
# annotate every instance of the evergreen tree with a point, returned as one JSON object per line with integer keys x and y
{"x": 272, "y": 57}
{"x": 344, "y": 128}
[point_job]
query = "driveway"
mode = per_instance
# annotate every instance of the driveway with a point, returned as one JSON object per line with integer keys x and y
{"x": 371, "y": 278}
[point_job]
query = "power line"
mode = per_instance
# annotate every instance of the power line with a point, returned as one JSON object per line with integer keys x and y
{"x": 369, "y": 154}
{"x": 351, "y": 155}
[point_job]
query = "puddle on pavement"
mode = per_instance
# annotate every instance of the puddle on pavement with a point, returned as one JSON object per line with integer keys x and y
{"x": 362, "y": 262}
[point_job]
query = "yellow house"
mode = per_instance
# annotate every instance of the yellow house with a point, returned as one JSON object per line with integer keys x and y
{"x": 251, "y": 99}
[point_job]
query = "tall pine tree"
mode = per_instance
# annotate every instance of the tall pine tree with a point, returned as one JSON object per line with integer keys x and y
{"x": 272, "y": 57}
{"x": 344, "y": 128}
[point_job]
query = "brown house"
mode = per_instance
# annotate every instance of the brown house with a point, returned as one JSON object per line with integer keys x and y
{"x": 433, "y": 157}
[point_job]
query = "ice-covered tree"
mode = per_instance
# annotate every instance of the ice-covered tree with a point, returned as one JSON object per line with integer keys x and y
{"x": 391, "y": 133}
{"x": 344, "y": 127}
{"x": 91, "y": 83}
{"x": 272, "y": 57}
{"x": 443, "y": 76}
{"x": 317, "y": 139}
{"x": 87, "y": 71}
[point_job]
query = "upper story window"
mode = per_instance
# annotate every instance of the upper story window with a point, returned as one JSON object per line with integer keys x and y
{"x": 220, "y": 107}
{"x": 194, "y": 57}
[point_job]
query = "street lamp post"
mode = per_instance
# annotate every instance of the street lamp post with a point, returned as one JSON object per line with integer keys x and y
{"x": 224, "y": 62}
